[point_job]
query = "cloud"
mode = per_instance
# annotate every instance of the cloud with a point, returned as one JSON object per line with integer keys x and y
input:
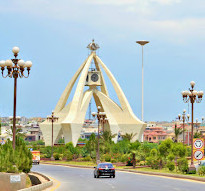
{"x": 168, "y": 18}
{"x": 132, "y": 2}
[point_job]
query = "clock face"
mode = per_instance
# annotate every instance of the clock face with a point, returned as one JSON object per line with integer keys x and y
{"x": 94, "y": 77}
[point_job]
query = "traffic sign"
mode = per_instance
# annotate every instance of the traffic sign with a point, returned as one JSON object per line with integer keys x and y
{"x": 198, "y": 144}
{"x": 198, "y": 155}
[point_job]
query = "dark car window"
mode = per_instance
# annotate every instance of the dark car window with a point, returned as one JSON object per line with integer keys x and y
{"x": 105, "y": 166}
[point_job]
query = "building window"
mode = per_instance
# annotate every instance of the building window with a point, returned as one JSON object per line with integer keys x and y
{"x": 154, "y": 137}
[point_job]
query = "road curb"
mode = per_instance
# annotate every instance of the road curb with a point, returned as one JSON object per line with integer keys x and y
{"x": 41, "y": 186}
{"x": 188, "y": 177}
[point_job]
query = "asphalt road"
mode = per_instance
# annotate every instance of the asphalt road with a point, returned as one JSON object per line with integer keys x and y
{"x": 78, "y": 179}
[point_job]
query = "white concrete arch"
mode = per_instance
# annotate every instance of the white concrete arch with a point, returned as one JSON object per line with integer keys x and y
{"x": 72, "y": 116}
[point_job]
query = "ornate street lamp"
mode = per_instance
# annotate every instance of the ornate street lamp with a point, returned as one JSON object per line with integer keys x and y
{"x": 15, "y": 68}
{"x": 142, "y": 43}
{"x": 184, "y": 118}
{"x": 192, "y": 96}
{"x": 103, "y": 121}
{"x": 52, "y": 119}
{"x": 98, "y": 115}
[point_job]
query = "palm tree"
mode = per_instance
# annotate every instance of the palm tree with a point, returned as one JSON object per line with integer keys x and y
{"x": 177, "y": 131}
{"x": 133, "y": 150}
{"x": 129, "y": 136}
{"x": 107, "y": 136}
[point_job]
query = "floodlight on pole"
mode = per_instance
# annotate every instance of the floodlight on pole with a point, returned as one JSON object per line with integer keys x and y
{"x": 142, "y": 43}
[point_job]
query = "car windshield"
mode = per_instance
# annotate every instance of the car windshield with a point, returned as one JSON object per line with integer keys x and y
{"x": 105, "y": 166}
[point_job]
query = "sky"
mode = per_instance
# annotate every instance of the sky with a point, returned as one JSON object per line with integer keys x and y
{"x": 54, "y": 35}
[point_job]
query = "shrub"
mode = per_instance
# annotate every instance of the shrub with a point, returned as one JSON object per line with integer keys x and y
{"x": 93, "y": 155}
{"x": 88, "y": 158}
{"x": 43, "y": 156}
{"x": 107, "y": 157}
{"x": 18, "y": 160}
{"x": 154, "y": 162}
{"x": 171, "y": 165}
{"x": 69, "y": 146}
{"x": 129, "y": 162}
{"x": 182, "y": 164}
{"x": 57, "y": 156}
{"x": 142, "y": 163}
{"x": 124, "y": 158}
{"x": 68, "y": 155}
{"x": 113, "y": 161}
{"x": 171, "y": 157}
{"x": 201, "y": 171}
{"x": 191, "y": 172}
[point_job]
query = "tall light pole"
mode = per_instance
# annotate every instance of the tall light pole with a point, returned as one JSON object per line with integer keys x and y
{"x": 15, "y": 68}
{"x": 52, "y": 119}
{"x": 142, "y": 43}
{"x": 184, "y": 118}
{"x": 192, "y": 96}
{"x": 99, "y": 115}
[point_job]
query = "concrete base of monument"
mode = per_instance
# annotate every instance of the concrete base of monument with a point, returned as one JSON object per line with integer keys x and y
{"x": 12, "y": 181}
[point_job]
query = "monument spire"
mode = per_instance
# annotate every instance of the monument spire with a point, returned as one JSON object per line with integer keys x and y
{"x": 93, "y": 46}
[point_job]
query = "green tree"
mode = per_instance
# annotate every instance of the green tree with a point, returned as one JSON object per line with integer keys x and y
{"x": 177, "y": 132}
{"x": 91, "y": 144}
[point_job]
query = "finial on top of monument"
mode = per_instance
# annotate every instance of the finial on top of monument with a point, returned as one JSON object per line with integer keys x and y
{"x": 93, "y": 46}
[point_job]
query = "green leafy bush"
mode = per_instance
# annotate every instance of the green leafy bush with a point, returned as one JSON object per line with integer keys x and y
{"x": 68, "y": 155}
{"x": 154, "y": 162}
{"x": 142, "y": 163}
{"x": 56, "y": 156}
{"x": 107, "y": 157}
{"x": 171, "y": 157}
{"x": 171, "y": 165}
{"x": 191, "y": 172}
{"x": 182, "y": 164}
{"x": 88, "y": 158}
{"x": 201, "y": 171}
{"x": 124, "y": 158}
{"x": 113, "y": 161}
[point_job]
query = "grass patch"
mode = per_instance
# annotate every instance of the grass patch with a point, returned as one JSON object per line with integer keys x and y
{"x": 81, "y": 163}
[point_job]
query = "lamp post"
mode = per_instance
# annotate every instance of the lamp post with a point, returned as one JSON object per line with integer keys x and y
{"x": 98, "y": 115}
{"x": 15, "y": 68}
{"x": 184, "y": 118}
{"x": 103, "y": 121}
{"x": 192, "y": 96}
{"x": 142, "y": 43}
{"x": 52, "y": 119}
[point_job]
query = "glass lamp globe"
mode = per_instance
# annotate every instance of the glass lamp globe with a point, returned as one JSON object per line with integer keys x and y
{"x": 28, "y": 64}
{"x": 192, "y": 83}
{"x": 15, "y": 50}
{"x": 8, "y": 63}
{"x": 21, "y": 63}
{"x": 2, "y": 63}
{"x": 194, "y": 92}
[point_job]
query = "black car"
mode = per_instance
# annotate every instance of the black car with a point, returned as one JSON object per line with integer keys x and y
{"x": 104, "y": 169}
